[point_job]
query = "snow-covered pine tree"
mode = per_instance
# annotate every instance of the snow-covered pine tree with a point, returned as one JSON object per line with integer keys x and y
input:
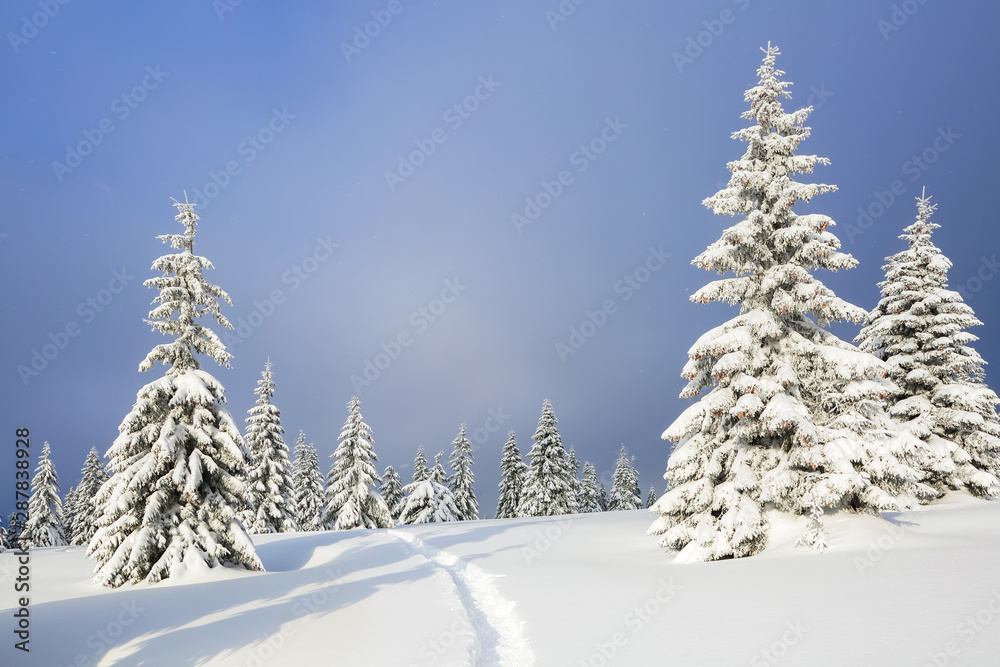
{"x": 462, "y": 479}
{"x": 420, "y": 471}
{"x": 512, "y": 473}
{"x": 429, "y": 500}
{"x": 635, "y": 479}
{"x": 650, "y": 497}
{"x": 269, "y": 479}
{"x": 392, "y": 491}
{"x": 602, "y": 499}
{"x": 86, "y": 514}
{"x": 623, "y": 488}
{"x": 437, "y": 472}
{"x": 15, "y": 526}
{"x": 589, "y": 498}
{"x": 948, "y": 415}
{"x": 69, "y": 505}
{"x": 793, "y": 414}
{"x": 574, "y": 472}
{"x": 353, "y": 501}
{"x": 44, "y": 527}
{"x": 308, "y": 494}
{"x": 548, "y": 484}
{"x": 179, "y": 458}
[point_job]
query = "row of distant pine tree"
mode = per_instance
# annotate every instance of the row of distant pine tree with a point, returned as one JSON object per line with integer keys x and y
{"x": 286, "y": 497}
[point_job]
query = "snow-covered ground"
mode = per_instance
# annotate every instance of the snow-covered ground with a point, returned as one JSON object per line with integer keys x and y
{"x": 921, "y": 588}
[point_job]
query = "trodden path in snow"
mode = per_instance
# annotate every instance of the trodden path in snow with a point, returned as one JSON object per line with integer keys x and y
{"x": 499, "y": 639}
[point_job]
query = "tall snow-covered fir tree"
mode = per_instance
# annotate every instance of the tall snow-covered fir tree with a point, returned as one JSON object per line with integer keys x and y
{"x": 352, "y": 501}
{"x": 793, "y": 416}
{"x": 392, "y": 491}
{"x": 462, "y": 478}
{"x": 179, "y": 459}
{"x": 589, "y": 498}
{"x": 428, "y": 500}
{"x": 44, "y": 527}
{"x": 308, "y": 494}
{"x": 548, "y": 484}
{"x": 86, "y": 514}
{"x": 624, "y": 495}
{"x": 948, "y": 415}
{"x": 512, "y": 473}
{"x": 269, "y": 479}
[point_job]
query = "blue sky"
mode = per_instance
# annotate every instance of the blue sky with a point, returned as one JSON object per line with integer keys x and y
{"x": 283, "y": 123}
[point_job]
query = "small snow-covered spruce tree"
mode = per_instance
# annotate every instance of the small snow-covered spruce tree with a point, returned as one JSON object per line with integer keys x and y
{"x": 623, "y": 486}
{"x": 548, "y": 484}
{"x": 15, "y": 526}
{"x": 308, "y": 494}
{"x": 179, "y": 459}
{"x": 44, "y": 527}
{"x": 574, "y": 472}
{"x": 86, "y": 514}
{"x": 353, "y": 501}
{"x": 69, "y": 505}
{"x": 792, "y": 412}
{"x": 650, "y": 497}
{"x": 512, "y": 473}
{"x": 948, "y": 416}
{"x": 429, "y": 500}
{"x": 437, "y": 473}
{"x": 269, "y": 480}
{"x": 420, "y": 471}
{"x": 635, "y": 479}
{"x": 589, "y": 498}
{"x": 462, "y": 479}
{"x": 603, "y": 501}
{"x": 391, "y": 491}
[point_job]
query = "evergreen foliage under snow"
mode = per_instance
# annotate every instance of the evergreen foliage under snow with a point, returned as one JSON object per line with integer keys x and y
{"x": 624, "y": 494}
{"x": 793, "y": 416}
{"x": 429, "y": 500}
{"x": 462, "y": 479}
{"x": 309, "y": 497}
{"x": 352, "y": 501}
{"x": 548, "y": 484}
{"x": 589, "y": 499}
{"x": 391, "y": 491}
{"x": 269, "y": 480}
{"x": 85, "y": 512}
{"x": 420, "y": 471}
{"x": 949, "y": 421}
{"x": 44, "y": 527}
{"x": 512, "y": 472}
{"x": 179, "y": 459}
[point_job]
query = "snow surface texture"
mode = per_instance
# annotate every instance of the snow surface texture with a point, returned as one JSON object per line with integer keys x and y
{"x": 885, "y": 593}
{"x": 499, "y": 640}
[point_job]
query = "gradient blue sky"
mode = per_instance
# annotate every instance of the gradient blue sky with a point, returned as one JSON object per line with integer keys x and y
{"x": 882, "y": 97}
